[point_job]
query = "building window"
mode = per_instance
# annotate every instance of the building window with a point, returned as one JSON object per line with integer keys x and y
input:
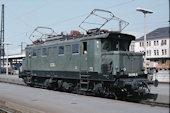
{"x": 61, "y": 50}
{"x": 157, "y": 42}
{"x": 155, "y": 52}
{"x": 154, "y": 43}
{"x": 142, "y": 43}
{"x": 163, "y": 52}
{"x": 147, "y": 43}
{"x": 75, "y": 48}
{"x": 148, "y": 52}
{"x": 44, "y": 52}
{"x": 163, "y": 42}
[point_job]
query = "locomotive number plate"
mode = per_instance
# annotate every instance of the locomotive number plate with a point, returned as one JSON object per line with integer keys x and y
{"x": 132, "y": 74}
{"x": 52, "y": 65}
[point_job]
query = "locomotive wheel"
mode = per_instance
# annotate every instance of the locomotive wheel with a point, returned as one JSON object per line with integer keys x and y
{"x": 77, "y": 89}
{"x": 28, "y": 81}
{"x": 98, "y": 89}
{"x": 46, "y": 84}
{"x": 143, "y": 88}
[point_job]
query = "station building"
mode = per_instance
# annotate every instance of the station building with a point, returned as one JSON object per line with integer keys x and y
{"x": 14, "y": 63}
{"x": 157, "y": 48}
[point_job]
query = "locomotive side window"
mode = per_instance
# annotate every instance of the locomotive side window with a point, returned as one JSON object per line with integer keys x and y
{"x": 50, "y": 51}
{"x": 84, "y": 48}
{"x": 44, "y": 52}
{"x": 34, "y": 52}
{"x": 68, "y": 49}
{"x": 61, "y": 50}
{"x": 75, "y": 48}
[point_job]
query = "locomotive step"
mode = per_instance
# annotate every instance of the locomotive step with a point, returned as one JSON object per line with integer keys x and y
{"x": 84, "y": 75}
{"x": 84, "y": 82}
{"x": 28, "y": 72}
{"x": 28, "y": 82}
{"x": 83, "y": 89}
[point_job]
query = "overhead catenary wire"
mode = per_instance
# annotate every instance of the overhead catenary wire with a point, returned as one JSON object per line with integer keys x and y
{"x": 59, "y": 22}
{"x": 72, "y": 18}
{"x": 120, "y": 4}
{"x": 76, "y": 17}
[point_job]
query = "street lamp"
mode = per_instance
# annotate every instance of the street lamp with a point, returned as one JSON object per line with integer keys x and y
{"x": 144, "y": 11}
{"x": 6, "y": 56}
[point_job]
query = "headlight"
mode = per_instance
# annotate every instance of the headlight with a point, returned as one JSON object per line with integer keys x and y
{"x": 123, "y": 69}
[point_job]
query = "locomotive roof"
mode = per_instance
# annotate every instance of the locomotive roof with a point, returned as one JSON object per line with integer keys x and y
{"x": 69, "y": 39}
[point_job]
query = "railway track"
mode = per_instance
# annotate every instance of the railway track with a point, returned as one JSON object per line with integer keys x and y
{"x": 3, "y": 111}
{"x": 153, "y": 103}
{"x": 144, "y": 102}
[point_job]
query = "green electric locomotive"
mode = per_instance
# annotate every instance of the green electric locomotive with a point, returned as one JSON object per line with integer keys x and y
{"x": 98, "y": 62}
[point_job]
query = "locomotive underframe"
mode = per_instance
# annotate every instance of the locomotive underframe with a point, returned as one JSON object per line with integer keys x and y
{"x": 89, "y": 83}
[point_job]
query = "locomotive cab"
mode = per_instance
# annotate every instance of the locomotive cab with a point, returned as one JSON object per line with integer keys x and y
{"x": 117, "y": 57}
{"x": 127, "y": 66}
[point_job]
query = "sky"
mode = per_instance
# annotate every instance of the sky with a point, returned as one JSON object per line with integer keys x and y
{"x": 23, "y": 16}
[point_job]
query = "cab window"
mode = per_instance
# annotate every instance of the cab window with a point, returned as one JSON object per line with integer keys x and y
{"x": 115, "y": 45}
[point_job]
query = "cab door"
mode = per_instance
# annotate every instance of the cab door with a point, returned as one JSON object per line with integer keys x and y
{"x": 29, "y": 59}
{"x": 84, "y": 57}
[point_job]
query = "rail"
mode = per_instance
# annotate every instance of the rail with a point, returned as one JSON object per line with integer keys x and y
{"x": 144, "y": 102}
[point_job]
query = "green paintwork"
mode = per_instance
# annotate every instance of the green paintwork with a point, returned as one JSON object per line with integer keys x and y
{"x": 79, "y": 62}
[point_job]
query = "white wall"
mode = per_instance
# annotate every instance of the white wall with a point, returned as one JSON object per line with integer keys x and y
{"x": 152, "y": 47}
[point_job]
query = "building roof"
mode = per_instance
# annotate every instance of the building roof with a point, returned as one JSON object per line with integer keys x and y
{"x": 15, "y": 56}
{"x": 157, "y": 34}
